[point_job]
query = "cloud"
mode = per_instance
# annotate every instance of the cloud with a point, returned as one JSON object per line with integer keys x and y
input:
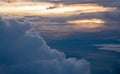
{"x": 23, "y": 51}
{"x": 61, "y": 29}
{"x": 87, "y": 23}
{"x": 48, "y": 9}
{"x": 58, "y": 11}
{"x": 56, "y": 24}
{"x": 112, "y": 47}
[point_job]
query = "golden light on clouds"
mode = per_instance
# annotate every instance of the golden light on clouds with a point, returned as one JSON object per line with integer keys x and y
{"x": 88, "y": 23}
{"x": 93, "y": 20}
{"x": 49, "y": 9}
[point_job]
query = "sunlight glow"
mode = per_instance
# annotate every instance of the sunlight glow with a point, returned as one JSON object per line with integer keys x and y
{"x": 93, "y": 20}
{"x": 49, "y": 9}
{"x": 88, "y": 23}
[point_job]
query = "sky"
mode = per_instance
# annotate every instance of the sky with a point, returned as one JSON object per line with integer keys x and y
{"x": 59, "y": 37}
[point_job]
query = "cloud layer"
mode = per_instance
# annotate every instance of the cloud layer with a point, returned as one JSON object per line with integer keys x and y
{"x": 49, "y": 9}
{"x": 23, "y": 51}
{"x": 112, "y": 47}
{"x": 58, "y": 15}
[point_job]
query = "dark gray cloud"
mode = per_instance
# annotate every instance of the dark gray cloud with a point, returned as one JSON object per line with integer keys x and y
{"x": 23, "y": 51}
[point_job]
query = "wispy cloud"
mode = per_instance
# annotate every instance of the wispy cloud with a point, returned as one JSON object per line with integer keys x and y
{"x": 49, "y": 9}
{"x": 112, "y": 47}
{"x": 63, "y": 17}
{"x": 87, "y": 23}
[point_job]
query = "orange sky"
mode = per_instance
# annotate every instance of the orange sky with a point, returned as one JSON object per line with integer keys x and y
{"x": 49, "y": 9}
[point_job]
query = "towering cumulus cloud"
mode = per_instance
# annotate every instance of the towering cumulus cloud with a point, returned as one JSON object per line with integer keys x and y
{"x": 23, "y": 51}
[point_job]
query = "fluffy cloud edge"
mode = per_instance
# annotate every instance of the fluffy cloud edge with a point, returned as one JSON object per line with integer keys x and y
{"x": 46, "y": 61}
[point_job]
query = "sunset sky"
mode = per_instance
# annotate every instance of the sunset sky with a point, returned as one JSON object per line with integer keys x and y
{"x": 59, "y": 37}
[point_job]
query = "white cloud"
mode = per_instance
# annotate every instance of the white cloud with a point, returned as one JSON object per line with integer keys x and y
{"x": 23, "y": 51}
{"x": 113, "y": 47}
